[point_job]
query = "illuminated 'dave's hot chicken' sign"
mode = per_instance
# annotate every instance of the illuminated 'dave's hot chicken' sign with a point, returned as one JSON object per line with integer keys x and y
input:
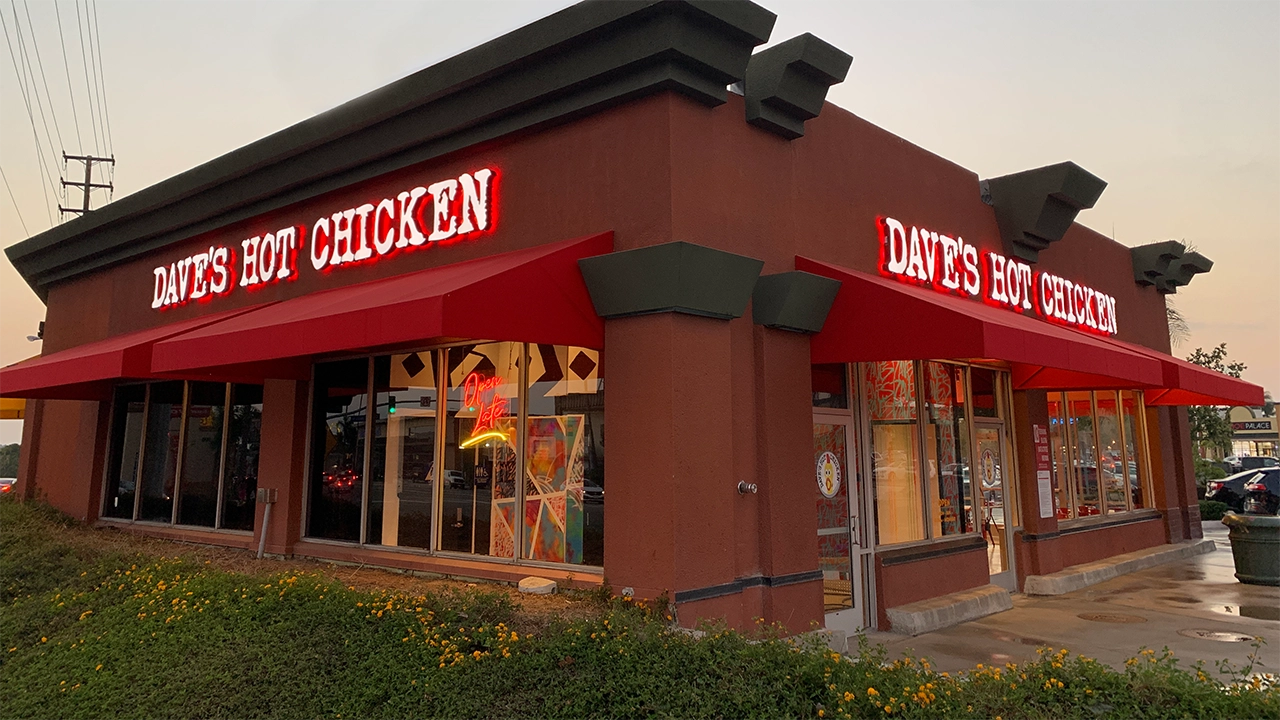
{"x": 454, "y": 208}
{"x": 951, "y": 265}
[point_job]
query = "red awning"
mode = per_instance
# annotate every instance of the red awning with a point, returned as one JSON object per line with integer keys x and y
{"x": 874, "y": 318}
{"x": 534, "y": 295}
{"x": 1186, "y": 383}
{"x": 85, "y": 372}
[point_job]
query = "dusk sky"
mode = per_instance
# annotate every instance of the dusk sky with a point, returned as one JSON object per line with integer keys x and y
{"x": 1175, "y": 104}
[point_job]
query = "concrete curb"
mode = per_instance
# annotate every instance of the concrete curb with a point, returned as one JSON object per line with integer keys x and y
{"x": 1081, "y": 576}
{"x": 947, "y": 610}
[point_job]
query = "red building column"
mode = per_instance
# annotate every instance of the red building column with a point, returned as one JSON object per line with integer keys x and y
{"x": 282, "y": 463}
{"x": 1037, "y": 546}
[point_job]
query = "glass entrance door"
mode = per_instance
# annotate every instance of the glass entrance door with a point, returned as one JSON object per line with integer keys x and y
{"x": 993, "y": 481}
{"x": 842, "y": 550}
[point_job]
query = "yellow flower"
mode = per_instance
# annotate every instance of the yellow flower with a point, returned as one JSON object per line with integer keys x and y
{"x": 872, "y": 692}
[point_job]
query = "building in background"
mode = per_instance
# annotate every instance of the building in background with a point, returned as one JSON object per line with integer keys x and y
{"x": 1253, "y": 434}
{"x": 845, "y": 376}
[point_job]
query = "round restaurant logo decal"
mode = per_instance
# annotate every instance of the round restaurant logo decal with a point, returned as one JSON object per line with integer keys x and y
{"x": 988, "y": 465}
{"x": 828, "y": 474}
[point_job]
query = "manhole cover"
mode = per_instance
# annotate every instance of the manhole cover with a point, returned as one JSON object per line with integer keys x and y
{"x": 1218, "y": 635}
{"x": 1111, "y": 618}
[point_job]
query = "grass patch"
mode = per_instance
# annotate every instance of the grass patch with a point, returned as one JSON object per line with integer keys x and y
{"x": 90, "y": 629}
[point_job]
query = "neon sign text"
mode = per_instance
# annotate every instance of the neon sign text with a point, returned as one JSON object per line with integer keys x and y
{"x": 481, "y": 394}
{"x": 458, "y": 207}
{"x": 451, "y": 209}
{"x": 951, "y": 265}
{"x": 928, "y": 258}
{"x": 194, "y": 277}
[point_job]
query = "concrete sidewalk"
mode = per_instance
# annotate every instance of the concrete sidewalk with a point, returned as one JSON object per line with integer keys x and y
{"x": 1158, "y": 607}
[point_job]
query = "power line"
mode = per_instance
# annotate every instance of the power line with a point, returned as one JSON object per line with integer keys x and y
{"x": 88, "y": 88}
{"x": 70, "y": 88}
{"x": 30, "y": 72}
{"x": 15, "y": 202}
{"x": 93, "y": 67}
{"x": 102, "y": 80}
{"x": 22, "y": 85}
{"x": 40, "y": 63}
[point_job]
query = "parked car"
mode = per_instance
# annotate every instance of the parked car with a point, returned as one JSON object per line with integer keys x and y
{"x": 1263, "y": 493}
{"x": 6, "y": 484}
{"x": 1236, "y": 463}
{"x": 1230, "y": 490}
{"x": 1253, "y": 463}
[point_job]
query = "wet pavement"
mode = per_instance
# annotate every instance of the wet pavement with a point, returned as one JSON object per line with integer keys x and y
{"x": 1195, "y": 607}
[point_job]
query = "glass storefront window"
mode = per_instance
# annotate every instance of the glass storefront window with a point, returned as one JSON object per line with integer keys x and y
{"x": 202, "y": 454}
{"x": 1084, "y": 453}
{"x": 337, "y": 443}
{"x": 564, "y": 457}
{"x": 946, "y": 448}
{"x": 986, "y": 392}
{"x": 403, "y": 456}
{"x": 169, "y": 438}
{"x": 491, "y": 449}
{"x": 244, "y": 444}
{"x": 1111, "y": 461}
{"x": 1098, "y": 441}
{"x": 1061, "y": 457}
{"x": 830, "y": 386}
{"x": 126, "y": 442}
{"x": 1134, "y": 470}
{"x": 160, "y": 453}
{"x": 478, "y": 489}
{"x": 895, "y": 451}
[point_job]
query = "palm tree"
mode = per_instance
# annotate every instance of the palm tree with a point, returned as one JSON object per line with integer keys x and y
{"x": 1179, "y": 330}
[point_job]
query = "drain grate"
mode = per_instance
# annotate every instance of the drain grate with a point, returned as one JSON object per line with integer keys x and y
{"x": 1217, "y": 635}
{"x": 1111, "y": 618}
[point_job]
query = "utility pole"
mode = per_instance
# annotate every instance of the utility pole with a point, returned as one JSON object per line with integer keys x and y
{"x": 88, "y": 183}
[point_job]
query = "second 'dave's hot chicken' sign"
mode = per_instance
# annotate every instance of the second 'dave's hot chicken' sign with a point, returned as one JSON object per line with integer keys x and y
{"x": 450, "y": 209}
{"x": 951, "y": 265}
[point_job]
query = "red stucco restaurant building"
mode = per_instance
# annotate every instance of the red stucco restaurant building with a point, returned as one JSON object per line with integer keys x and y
{"x": 844, "y": 376}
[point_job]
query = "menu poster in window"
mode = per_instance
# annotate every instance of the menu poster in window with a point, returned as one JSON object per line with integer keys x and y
{"x": 1044, "y": 477}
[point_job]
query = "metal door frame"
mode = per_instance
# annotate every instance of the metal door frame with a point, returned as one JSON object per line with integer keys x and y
{"x": 1008, "y": 578}
{"x": 861, "y": 567}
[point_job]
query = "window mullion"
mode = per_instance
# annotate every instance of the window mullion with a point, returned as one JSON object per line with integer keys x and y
{"x": 182, "y": 450}
{"x": 368, "y": 450}
{"x": 222, "y": 457}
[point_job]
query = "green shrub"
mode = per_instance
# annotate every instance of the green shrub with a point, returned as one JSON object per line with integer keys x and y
{"x": 1212, "y": 509}
{"x": 1207, "y": 470}
{"x": 110, "y": 634}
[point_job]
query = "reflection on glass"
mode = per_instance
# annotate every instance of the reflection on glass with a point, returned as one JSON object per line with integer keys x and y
{"x": 895, "y": 453}
{"x": 1058, "y": 451}
{"x": 126, "y": 441}
{"x": 403, "y": 454}
{"x": 160, "y": 456}
{"x": 986, "y": 392}
{"x": 946, "y": 446}
{"x": 201, "y": 454}
{"x": 1084, "y": 453}
{"x": 340, "y": 406}
{"x": 1130, "y": 404}
{"x": 830, "y": 386}
{"x": 564, "y": 465}
{"x": 829, "y": 457}
{"x": 1110, "y": 452}
{"x": 989, "y": 460}
{"x": 244, "y": 433}
{"x": 478, "y": 485}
